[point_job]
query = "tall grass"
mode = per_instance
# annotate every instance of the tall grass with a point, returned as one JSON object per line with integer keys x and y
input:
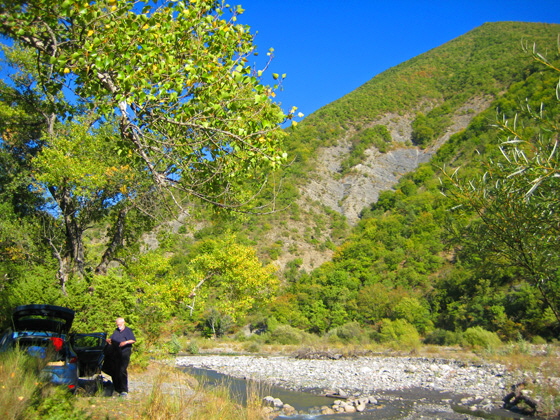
{"x": 199, "y": 402}
{"x": 20, "y": 383}
{"x": 24, "y": 396}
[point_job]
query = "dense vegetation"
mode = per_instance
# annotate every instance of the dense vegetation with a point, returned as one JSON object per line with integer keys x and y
{"x": 416, "y": 266}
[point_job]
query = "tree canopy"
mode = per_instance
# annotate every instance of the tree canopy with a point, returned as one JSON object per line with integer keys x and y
{"x": 123, "y": 103}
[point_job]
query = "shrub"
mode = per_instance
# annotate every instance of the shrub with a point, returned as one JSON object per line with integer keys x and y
{"x": 56, "y": 403}
{"x": 479, "y": 337}
{"x": 286, "y": 334}
{"x": 400, "y": 332}
{"x": 441, "y": 337}
{"x": 538, "y": 340}
{"x": 252, "y": 347}
{"x": 193, "y": 348}
{"x": 19, "y": 377}
{"x": 216, "y": 324}
{"x": 415, "y": 313}
{"x": 174, "y": 346}
{"x": 349, "y": 332}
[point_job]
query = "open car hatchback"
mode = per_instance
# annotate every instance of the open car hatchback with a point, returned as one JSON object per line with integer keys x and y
{"x": 43, "y": 332}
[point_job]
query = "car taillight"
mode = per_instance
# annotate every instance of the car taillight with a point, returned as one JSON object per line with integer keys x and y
{"x": 71, "y": 386}
{"x": 73, "y": 360}
{"x": 57, "y": 342}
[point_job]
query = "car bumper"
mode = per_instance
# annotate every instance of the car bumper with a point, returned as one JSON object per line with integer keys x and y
{"x": 62, "y": 373}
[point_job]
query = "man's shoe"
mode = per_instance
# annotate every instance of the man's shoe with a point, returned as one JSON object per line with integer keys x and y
{"x": 123, "y": 394}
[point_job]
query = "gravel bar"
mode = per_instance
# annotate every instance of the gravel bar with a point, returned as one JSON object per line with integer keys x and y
{"x": 363, "y": 375}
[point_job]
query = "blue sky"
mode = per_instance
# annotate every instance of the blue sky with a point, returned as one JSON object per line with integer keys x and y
{"x": 329, "y": 48}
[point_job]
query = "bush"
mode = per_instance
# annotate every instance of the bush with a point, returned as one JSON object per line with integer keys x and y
{"x": 481, "y": 338}
{"x": 442, "y": 337}
{"x": 400, "y": 332}
{"x": 193, "y": 348}
{"x": 216, "y": 324}
{"x": 537, "y": 339}
{"x": 252, "y": 347}
{"x": 415, "y": 313}
{"x": 174, "y": 345}
{"x": 349, "y": 332}
{"x": 286, "y": 334}
{"x": 56, "y": 403}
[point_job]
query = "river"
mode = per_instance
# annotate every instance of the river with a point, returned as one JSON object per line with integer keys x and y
{"x": 410, "y": 403}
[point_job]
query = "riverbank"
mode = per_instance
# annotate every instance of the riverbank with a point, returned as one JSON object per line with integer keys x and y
{"x": 448, "y": 384}
{"x": 415, "y": 384}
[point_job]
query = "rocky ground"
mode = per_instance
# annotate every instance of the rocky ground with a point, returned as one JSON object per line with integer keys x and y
{"x": 415, "y": 386}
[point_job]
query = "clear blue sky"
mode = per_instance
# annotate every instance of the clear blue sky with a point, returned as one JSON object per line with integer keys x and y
{"x": 329, "y": 48}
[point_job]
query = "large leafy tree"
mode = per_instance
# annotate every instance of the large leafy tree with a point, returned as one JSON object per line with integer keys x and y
{"x": 229, "y": 277}
{"x": 67, "y": 181}
{"x": 164, "y": 93}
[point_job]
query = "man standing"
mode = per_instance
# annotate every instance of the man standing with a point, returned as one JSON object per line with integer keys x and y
{"x": 121, "y": 340}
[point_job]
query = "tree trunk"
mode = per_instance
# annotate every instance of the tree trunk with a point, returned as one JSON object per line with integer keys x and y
{"x": 71, "y": 259}
{"x": 117, "y": 241}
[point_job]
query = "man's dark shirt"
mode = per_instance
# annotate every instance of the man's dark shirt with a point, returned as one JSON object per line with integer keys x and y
{"x": 124, "y": 335}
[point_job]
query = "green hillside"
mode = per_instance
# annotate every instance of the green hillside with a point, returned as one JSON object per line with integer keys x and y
{"x": 425, "y": 95}
{"x": 403, "y": 259}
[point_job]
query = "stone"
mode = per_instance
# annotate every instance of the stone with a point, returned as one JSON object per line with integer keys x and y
{"x": 342, "y": 394}
{"x": 326, "y": 410}
{"x": 365, "y": 370}
{"x": 288, "y": 410}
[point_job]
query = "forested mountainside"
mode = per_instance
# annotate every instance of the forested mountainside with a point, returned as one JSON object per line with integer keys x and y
{"x": 346, "y": 153}
{"x": 382, "y": 217}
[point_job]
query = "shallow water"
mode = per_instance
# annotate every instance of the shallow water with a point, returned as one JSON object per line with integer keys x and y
{"x": 392, "y": 405}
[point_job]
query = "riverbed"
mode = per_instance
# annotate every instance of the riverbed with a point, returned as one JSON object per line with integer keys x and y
{"x": 401, "y": 387}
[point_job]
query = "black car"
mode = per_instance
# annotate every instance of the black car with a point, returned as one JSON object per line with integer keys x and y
{"x": 43, "y": 332}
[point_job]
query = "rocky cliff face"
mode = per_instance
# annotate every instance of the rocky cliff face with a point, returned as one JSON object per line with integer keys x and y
{"x": 349, "y": 194}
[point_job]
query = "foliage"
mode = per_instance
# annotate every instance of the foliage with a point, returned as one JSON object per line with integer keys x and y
{"x": 377, "y": 136}
{"x": 516, "y": 199}
{"x": 350, "y": 332}
{"x": 426, "y": 128}
{"x": 216, "y": 324}
{"x": 479, "y": 337}
{"x": 109, "y": 155}
{"x": 96, "y": 305}
{"x": 412, "y": 310}
{"x": 176, "y": 75}
{"x": 174, "y": 345}
{"x": 19, "y": 378}
{"x": 484, "y": 61}
{"x": 399, "y": 332}
{"x": 229, "y": 277}
{"x": 442, "y": 337}
{"x": 56, "y": 403}
{"x": 286, "y": 334}
{"x": 110, "y": 108}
